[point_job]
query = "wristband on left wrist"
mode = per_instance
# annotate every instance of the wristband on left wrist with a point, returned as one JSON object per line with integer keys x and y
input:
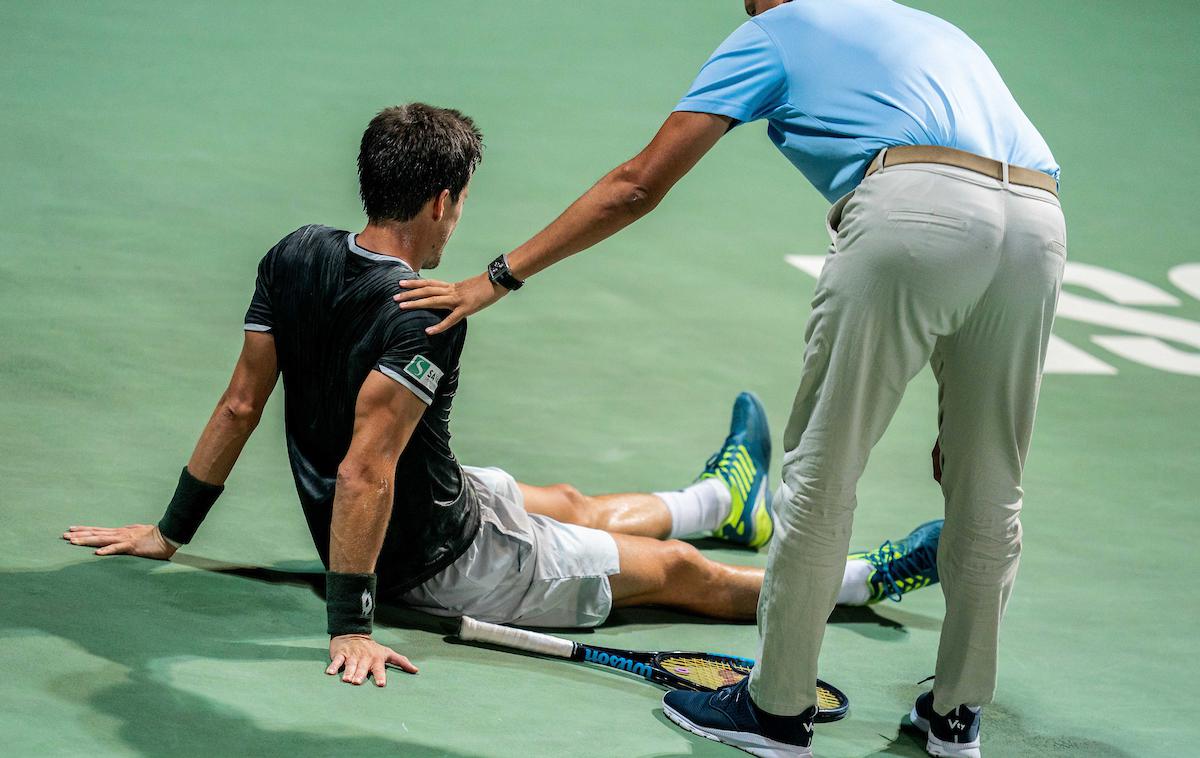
{"x": 349, "y": 603}
{"x": 188, "y": 507}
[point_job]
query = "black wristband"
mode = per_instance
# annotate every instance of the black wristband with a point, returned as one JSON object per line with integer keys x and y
{"x": 349, "y": 603}
{"x": 191, "y": 503}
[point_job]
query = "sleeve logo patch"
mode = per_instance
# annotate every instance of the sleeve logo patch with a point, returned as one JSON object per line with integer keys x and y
{"x": 427, "y": 374}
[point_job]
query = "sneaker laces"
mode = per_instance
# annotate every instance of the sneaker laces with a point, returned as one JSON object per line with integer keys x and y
{"x": 717, "y": 458}
{"x": 712, "y": 460}
{"x": 736, "y": 690}
{"x": 919, "y": 560}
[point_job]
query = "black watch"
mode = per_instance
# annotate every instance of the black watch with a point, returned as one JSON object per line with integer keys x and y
{"x": 499, "y": 272}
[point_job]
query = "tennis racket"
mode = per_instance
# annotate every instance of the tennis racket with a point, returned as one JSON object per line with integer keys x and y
{"x": 700, "y": 672}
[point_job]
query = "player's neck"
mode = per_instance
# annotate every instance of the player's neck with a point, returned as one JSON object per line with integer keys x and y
{"x": 398, "y": 241}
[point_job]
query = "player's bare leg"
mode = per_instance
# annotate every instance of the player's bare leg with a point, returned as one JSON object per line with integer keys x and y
{"x": 677, "y": 575}
{"x": 728, "y": 500}
{"x": 637, "y": 514}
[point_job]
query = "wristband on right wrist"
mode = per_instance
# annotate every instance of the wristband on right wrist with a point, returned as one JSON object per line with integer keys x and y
{"x": 191, "y": 503}
{"x": 349, "y": 603}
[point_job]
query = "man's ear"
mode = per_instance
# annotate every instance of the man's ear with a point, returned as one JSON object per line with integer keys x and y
{"x": 440, "y": 203}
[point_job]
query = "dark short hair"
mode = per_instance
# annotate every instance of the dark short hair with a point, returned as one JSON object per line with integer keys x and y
{"x": 409, "y": 154}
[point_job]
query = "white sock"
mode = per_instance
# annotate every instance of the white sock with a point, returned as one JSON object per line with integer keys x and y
{"x": 698, "y": 508}
{"x": 855, "y": 590}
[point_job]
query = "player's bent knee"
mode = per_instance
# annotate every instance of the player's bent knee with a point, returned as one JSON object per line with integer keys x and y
{"x": 575, "y": 503}
{"x": 569, "y": 493}
{"x": 683, "y": 561}
{"x": 573, "y": 498}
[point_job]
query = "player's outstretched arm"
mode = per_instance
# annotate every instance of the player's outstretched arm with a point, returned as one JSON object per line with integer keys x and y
{"x": 232, "y": 422}
{"x": 624, "y": 195}
{"x": 384, "y": 418}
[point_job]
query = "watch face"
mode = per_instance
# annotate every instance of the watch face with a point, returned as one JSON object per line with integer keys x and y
{"x": 499, "y": 273}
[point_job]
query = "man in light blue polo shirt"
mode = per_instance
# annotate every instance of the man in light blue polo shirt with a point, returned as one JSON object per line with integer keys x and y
{"x": 948, "y": 245}
{"x": 839, "y": 81}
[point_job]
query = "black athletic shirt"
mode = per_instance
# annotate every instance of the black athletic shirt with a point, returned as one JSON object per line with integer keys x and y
{"x": 328, "y": 304}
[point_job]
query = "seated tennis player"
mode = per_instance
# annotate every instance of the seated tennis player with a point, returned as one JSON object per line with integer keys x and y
{"x": 392, "y": 514}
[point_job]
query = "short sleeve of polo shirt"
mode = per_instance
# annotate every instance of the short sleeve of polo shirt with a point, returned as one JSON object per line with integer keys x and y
{"x": 744, "y": 78}
{"x": 413, "y": 358}
{"x": 259, "y": 316}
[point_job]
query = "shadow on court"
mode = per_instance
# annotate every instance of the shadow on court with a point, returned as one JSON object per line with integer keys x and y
{"x": 1002, "y": 722}
{"x": 143, "y": 618}
{"x": 863, "y": 619}
{"x": 136, "y": 615}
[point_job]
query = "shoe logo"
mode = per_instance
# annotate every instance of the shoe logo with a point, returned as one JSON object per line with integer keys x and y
{"x": 808, "y": 728}
{"x": 956, "y": 725}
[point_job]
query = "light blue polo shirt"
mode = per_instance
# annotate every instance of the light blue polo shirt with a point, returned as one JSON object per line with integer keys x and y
{"x": 839, "y": 80}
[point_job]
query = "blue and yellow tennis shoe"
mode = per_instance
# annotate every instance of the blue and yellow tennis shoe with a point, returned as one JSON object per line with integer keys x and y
{"x": 741, "y": 464}
{"x": 904, "y": 566}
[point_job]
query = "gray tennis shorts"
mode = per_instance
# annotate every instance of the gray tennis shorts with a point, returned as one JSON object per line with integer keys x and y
{"x": 523, "y": 568}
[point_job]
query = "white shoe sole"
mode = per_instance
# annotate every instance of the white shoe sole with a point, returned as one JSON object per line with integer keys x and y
{"x": 934, "y": 746}
{"x": 754, "y": 744}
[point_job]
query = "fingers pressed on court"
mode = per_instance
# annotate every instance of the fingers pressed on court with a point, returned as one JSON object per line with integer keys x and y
{"x": 85, "y": 532}
{"x": 401, "y": 662}
{"x": 378, "y": 671}
{"x": 89, "y": 540}
{"x": 335, "y": 665}
{"x": 115, "y": 549}
{"x": 365, "y": 668}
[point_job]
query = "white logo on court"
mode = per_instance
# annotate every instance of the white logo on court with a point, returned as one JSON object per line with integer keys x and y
{"x": 1151, "y": 339}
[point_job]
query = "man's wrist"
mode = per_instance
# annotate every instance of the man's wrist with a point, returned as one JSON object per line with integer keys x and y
{"x": 500, "y": 274}
{"x": 168, "y": 541}
{"x": 349, "y": 603}
{"x": 188, "y": 507}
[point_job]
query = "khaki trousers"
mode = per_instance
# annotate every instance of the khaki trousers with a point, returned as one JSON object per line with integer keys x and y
{"x": 929, "y": 264}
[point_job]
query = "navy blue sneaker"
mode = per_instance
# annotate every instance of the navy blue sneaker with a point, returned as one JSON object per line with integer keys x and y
{"x": 741, "y": 464}
{"x": 956, "y": 734}
{"x": 904, "y": 566}
{"x": 728, "y": 716}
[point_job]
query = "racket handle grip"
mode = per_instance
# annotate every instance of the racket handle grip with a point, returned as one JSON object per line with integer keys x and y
{"x": 520, "y": 639}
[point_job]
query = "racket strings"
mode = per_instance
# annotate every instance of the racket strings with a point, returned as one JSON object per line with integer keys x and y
{"x": 705, "y": 673}
{"x": 828, "y": 701}
{"x": 714, "y": 673}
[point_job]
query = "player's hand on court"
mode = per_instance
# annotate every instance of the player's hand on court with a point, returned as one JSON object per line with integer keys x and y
{"x": 142, "y": 540}
{"x": 461, "y": 298}
{"x": 357, "y": 655}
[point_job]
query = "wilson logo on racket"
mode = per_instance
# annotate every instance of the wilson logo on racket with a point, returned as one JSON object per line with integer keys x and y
{"x": 616, "y": 661}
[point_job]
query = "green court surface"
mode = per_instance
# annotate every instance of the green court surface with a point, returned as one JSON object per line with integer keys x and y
{"x": 152, "y": 152}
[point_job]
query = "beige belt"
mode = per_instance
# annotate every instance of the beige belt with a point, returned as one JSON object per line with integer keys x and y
{"x": 948, "y": 156}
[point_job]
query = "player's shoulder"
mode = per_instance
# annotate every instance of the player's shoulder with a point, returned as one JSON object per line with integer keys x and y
{"x": 417, "y": 320}
{"x": 302, "y": 251}
{"x": 307, "y": 240}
